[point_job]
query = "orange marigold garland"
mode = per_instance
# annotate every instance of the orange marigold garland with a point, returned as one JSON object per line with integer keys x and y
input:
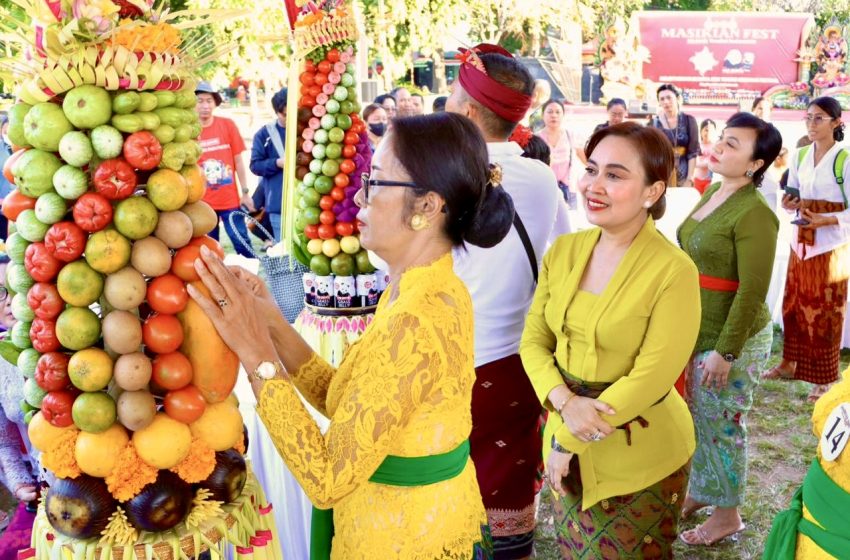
{"x": 60, "y": 459}
{"x": 130, "y": 475}
{"x": 198, "y": 464}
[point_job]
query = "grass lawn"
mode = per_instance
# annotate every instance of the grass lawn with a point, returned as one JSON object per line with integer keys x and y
{"x": 781, "y": 448}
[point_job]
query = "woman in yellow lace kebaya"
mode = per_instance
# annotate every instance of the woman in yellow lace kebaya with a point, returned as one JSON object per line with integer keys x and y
{"x": 613, "y": 323}
{"x": 394, "y": 464}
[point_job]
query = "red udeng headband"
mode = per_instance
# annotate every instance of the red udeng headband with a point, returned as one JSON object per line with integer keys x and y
{"x": 509, "y": 104}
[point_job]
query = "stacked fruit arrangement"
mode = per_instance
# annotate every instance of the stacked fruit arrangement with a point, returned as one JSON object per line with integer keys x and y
{"x": 333, "y": 154}
{"x": 118, "y": 360}
{"x": 127, "y": 384}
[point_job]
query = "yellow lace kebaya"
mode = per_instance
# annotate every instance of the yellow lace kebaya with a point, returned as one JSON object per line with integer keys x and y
{"x": 403, "y": 389}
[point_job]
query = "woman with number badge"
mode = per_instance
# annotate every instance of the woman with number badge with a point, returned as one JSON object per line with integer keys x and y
{"x": 819, "y": 265}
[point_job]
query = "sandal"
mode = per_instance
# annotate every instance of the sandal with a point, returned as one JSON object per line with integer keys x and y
{"x": 778, "y": 373}
{"x": 702, "y": 539}
{"x": 817, "y": 392}
{"x": 691, "y": 509}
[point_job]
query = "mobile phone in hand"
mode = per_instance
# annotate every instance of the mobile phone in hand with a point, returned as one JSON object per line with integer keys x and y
{"x": 793, "y": 192}
{"x": 800, "y": 222}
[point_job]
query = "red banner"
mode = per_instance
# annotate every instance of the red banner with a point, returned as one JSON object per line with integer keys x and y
{"x": 723, "y": 50}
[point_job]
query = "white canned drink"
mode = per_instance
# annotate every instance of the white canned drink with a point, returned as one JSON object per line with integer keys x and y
{"x": 309, "y": 281}
{"x": 383, "y": 279}
{"x": 324, "y": 291}
{"x": 344, "y": 291}
{"x": 367, "y": 289}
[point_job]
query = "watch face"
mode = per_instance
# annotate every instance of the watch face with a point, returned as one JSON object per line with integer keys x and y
{"x": 266, "y": 370}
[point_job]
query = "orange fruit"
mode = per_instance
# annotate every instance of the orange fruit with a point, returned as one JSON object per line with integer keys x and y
{"x": 90, "y": 369}
{"x": 167, "y": 190}
{"x": 43, "y": 434}
{"x": 96, "y": 454}
{"x": 196, "y": 181}
{"x": 108, "y": 251}
{"x": 163, "y": 443}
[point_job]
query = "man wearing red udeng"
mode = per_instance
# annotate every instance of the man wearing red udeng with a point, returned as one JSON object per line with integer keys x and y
{"x": 222, "y": 147}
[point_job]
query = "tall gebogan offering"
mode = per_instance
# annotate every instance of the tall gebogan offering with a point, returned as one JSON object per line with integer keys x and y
{"x": 328, "y": 153}
{"x": 127, "y": 384}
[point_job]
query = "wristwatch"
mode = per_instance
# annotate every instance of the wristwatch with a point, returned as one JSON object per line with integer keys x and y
{"x": 729, "y": 357}
{"x": 244, "y": 191}
{"x": 266, "y": 371}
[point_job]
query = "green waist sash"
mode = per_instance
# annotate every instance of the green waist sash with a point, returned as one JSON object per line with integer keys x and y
{"x": 828, "y": 503}
{"x": 394, "y": 471}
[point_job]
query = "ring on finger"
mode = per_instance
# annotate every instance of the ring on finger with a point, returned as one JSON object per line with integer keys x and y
{"x": 222, "y": 302}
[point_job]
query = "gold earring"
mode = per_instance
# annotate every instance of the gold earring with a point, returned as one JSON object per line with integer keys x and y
{"x": 419, "y": 222}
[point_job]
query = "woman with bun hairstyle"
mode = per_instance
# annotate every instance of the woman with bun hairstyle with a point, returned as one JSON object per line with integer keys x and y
{"x": 731, "y": 236}
{"x": 394, "y": 464}
{"x": 681, "y": 130}
{"x": 613, "y": 323}
{"x": 816, "y": 285}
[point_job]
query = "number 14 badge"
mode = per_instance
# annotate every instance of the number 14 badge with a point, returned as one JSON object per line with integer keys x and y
{"x": 836, "y": 432}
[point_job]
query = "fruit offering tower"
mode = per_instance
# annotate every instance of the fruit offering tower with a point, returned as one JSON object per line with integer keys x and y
{"x": 127, "y": 383}
{"x": 329, "y": 153}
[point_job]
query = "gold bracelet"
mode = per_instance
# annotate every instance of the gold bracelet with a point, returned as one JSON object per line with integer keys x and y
{"x": 564, "y": 403}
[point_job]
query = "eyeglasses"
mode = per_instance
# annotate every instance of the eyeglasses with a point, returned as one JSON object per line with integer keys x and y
{"x": 4, "y": 293}
{"x": 817, "y": 119}
{"x": 366, "y": 183}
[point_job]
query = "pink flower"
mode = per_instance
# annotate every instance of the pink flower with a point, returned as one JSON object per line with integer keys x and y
{"x": 95, "y": 15}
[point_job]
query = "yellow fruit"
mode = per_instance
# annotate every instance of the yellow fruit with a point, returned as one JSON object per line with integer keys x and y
{"x": 314, "y": 246}
{"x": 108, "y": 251}
{"x": 97, "y": 454}
{"x": 349, "y": 244}
{"x": 43, "y": 434}
{"x": 220, "y": 427}
{"x": 90, "y": 369}
{"x": 330, "y": 247}
{"x": 196, "y": 181}
{"x": 163, "y": 443}
{"x": 167, "y": 189}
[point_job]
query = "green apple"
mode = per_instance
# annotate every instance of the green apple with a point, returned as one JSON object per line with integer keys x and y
{"x": 16, "y": 124}
{"x": 330, "y": 167}
{"x": 312, "y": 197}
{"x": 342, "y": 265}
{"x": 76, "y": 149}
{"x": 321, "y": 265}
{"x": 323, "y": 184}
{"x": 87, "y": 106}
{"x": 45, "y": 125}
{"x": 336, "y": 135}
{"x": 343, "y": 121}
{"x": 332, "y": 151}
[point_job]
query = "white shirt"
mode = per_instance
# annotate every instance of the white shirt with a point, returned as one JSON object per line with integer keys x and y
{"x": 818, "y": 183}
{"x": 499, "y": 279}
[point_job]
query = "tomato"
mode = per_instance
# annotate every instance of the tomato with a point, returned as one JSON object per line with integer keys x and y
{"x": 56, "y": 408}
{"x": 311, "y": 231}
{"x": 115, "y": 178}
{"x": 306, "y": 78}
{"x": 210, "y": 244}
{"x": 321, "y": 79}
{"x": 51, "y": 371}
{"x": 44, "y": 300}
{"x": 65, "y": 241}
{"x": 167, "y": 293}
{"x": 142, "y": 150}
{"x": 172, "y": 370}
{"x": 8, "y": 167}
{"x": 347, "y": 166}
{"x": 14, "y": 203}
{"x": 325, "y": 203}
{"x": 162, "y": 334}
{"x": 338, "y": 193}
{"x": 357, "y": 127}
{"x": 304, "y": 90}
{"x": 92, "y": 212}
{"x": 307, "y": 101}
{"x": 327, "y": 231}
{"x": 185, "y": 405}
{"x": 41, "y": 265}
{"x": 327, "y": 217}
{"x": 333, "y": 55}
{"x": 309, "y": 66}
{"x": 344, "y": 229}
{"x": 351, "y": 138}
{"x": 315, "y": 91}
{"x": 341, "y": 180}
{"x": 43, "y": 335}
{"x": 349, "y": 150}
{"x": 183, "y": 263}
{"x": 324, "y": 67}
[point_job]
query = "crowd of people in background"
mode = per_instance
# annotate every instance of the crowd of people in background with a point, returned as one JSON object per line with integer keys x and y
{"x": 609, "y": 365}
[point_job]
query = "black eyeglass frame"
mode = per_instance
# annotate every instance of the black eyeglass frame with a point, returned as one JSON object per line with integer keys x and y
{"x": 366, "y": 182}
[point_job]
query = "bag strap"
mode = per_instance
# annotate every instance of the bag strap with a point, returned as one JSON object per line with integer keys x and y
{"x": 838, "y": 171}
{"x": 274, "y": 135}
{"x": 246, "y": 242}
{"x": 526, "y": 242}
